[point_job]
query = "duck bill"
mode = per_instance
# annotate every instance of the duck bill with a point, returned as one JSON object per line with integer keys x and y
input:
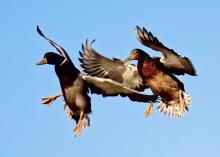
{"x": 43, "y": 61}
{"x": 127, "y": 59}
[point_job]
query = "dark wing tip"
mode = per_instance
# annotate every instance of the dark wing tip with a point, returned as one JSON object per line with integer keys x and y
{"x": 88, "y": 45}
{"x": 80, "y": 53}
{"x": 145, "y": 30}
{"x": 190, "y": 67}
{"x": 93, "y": 41}
{"x": 40, "y": 32}
{"x": 138, "y": 27}
{"x": 193, "y": 72}
{"x": 138, "y": 30}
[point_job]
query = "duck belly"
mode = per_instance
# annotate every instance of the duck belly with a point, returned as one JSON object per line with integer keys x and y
{"x": 76, "y": 97}
{"x": 164, "y": 86}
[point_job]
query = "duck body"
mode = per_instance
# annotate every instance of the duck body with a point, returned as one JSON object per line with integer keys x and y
{"x": 161, "y": 82}
{"x": 174, "y": 100}
{"x": 74, "y": 89}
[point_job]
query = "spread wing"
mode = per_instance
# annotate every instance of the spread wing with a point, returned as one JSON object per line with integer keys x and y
{"x": 175, "y": 63}
{"x": 59, "y": 48}
{"x": 108, "y": 87}
{"x": 97, "y": 65}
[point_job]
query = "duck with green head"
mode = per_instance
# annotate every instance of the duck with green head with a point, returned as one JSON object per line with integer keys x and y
{"x": 76, "y": 86}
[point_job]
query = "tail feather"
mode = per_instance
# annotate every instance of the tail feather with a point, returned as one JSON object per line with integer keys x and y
{"x": 176, "y": 108}
{"x": 86, "y": 121}
{"x": 68, "y": 111}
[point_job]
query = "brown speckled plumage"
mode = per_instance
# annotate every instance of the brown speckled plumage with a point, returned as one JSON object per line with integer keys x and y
{"x": 174, "y": 100}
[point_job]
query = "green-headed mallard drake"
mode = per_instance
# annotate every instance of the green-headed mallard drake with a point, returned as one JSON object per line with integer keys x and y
{"x": 157, "y": 73}
{"x": 75, "y": 86}
{"x": 95, "y": 64}
{"x": 175, "y": 63}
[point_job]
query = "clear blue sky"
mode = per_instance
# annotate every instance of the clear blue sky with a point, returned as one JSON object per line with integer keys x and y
{"x": 118, "y": 126}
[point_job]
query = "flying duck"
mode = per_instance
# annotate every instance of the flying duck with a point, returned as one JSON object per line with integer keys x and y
{"x": 174, "y": 101}
{"x": 158, "y": 74}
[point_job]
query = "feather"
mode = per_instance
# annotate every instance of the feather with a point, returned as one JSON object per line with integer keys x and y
{"x": 172, "y": 61}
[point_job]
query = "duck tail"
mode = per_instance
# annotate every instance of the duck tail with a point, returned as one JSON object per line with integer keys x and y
{"x": 86, "y": 121}
{"x": 176, "y": 108}
{"x": 68, "y": 111}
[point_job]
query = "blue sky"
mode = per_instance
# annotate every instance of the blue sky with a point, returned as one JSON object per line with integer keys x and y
{"x": 118, "y": 126}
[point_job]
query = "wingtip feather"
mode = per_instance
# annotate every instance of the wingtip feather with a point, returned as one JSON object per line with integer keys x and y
{"x": 40, "y": 32}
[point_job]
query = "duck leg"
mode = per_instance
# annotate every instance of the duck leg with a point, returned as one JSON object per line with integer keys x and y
{"x": 149, "y": 110}
{"x": 78, "y": 127}
{"x": 49, "y": 100}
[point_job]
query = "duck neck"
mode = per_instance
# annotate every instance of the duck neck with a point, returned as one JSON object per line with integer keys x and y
{"x": 142, "y": 59}
{"x": 66, "y": 72}
{"x": 146, "y": 67}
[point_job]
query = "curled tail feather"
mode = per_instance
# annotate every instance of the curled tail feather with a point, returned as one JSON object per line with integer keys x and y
{"x": 176, "y": 108}
{"x": 86, "y": 121}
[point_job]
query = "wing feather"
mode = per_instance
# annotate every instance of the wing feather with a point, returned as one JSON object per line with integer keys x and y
{"x": 97, "y": 65}
{"x": 108, "y": 87}
{"x": 59, "y": 48}
{"x": 172, "y": 61}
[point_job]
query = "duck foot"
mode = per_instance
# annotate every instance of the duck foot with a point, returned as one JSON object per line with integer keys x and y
{"x": 149, "y": 110}
{"x": 78, "y": 128}
{"x": 49, "y": 100}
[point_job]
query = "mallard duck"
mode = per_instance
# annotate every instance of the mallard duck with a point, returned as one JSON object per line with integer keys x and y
{"x": 157, "y": 73}
{"x": 174, "y": 100}
{"x": 175, "y": 63}
{"x": 75, "y": 86}
{"x": 95, "y": 64}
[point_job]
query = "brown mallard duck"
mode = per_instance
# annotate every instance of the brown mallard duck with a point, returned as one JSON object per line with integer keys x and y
{"x": 97, "y": 65}
{"x": 75, "y": 86}
{"x": 157, "y": 73}
{"x": 174, "y": 100}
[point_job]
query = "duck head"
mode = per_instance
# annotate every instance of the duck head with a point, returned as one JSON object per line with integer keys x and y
{"x": 51, "y": 58}
{"x": 137, "y": 54}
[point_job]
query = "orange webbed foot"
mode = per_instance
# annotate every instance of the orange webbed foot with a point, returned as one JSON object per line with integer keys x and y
{"x": 78, "y": 128}
{"x": 149, "y": 110}
{"x": 49, "y": 100}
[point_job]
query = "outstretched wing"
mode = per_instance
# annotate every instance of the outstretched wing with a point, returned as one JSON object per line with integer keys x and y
{"x": 97, "y": 65}
{"x": 59, "y": 48}
{"x": 108, "y": 87}
{"x": 172, "y": 61}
